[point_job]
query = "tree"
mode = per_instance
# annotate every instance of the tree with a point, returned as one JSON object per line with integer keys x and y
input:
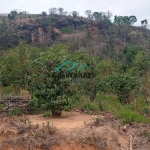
{"x": 89, "y": 14}
{"x": 8, "y": 38}
{"x": 132, "y": 19}
{"x": 102, "y": 15}
{"x": 103, "y": 19}
{"x": 3, "y": 28}
{"x": 129, "y": 55}
{"x": 52, "y": 91}
{"x": 123, "y": 85}
{"x": 141, "y": 69}
{"x": 75, "y": 13}
{"x": 121, "y": 20}
{"x": 61, "y": 11}
{"x": 44, "y": 14}
{"x": 12, "y": 15}
{"x": 144, "y": 23}
{"x": 96, "y": 15}
{"x": 53, "y": 11}
{"x": 101, "y": 70}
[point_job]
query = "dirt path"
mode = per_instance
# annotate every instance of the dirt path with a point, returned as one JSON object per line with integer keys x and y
{"x": 69, "y": 122}
{"x": 75, "y": 126}
{"x": 75, "y": 131}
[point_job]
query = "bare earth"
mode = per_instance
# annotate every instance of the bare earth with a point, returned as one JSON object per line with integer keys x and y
{"x": 79, "y": 131}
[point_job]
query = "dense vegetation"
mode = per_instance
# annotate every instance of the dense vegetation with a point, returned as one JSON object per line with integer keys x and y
{"x": 115, "y": 54}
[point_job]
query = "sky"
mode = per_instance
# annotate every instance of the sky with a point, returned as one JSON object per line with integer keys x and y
{"x": 139, "y": 8}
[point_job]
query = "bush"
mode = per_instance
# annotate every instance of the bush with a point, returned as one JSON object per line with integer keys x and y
{"x": 65, "y": 30}
{"x": 81, "y": 27}
{"x": 14, "y": 111}
{"x": 51, "y": 92}
{"x": 123, "y": 85}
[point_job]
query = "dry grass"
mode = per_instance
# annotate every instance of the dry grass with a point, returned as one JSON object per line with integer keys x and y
{"x": 26, "y": 94}
{"x": 29, "y": 137}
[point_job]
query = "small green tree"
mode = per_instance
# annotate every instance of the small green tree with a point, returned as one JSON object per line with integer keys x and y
{"x": 48, "y": 86}
{"x": 128, "y": 55}
{"x": 144, "y": 23}
{"x": 12, "y": 15}
{"x": 101, "y": 71}
{"x": 123, "y": 85}
{"x": 43, "y": 14}
{"x": 141, "y": 69}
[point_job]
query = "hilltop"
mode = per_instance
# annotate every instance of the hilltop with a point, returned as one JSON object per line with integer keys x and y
{"x": 96, "y": 33}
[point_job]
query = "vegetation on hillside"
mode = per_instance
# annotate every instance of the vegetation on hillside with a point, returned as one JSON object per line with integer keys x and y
{"x": 115, "y": 55}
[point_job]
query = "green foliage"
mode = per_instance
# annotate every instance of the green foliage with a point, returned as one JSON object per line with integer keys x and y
{"x": 141, "y": 63}
{"x": 12, "y": 15}
{"x": 3, "y": 28}
{"x": 146, "y": 111}
{"x": 129, "y": 54}
{"x": 33, "y": 103}
{"x": 14, "y": 111}
{"x": 43, "y": 14}
{"x": 129, "y": 117}
{"x": 125, "y": 20}
{"x": 66, "y": 30}
{"x": 52, "y": 91}
{"x": 123, "y": 85}
{"x": 45, "y": 22}
{"x": 141, "y": 69}
{"x": 1, "y": 107}
{"x": 7, "y": 90}
{"x": 14, "y": 65}
{"x": 90, "y": 106}
{"x": 144, "y": 23}
{"x": 126, "y": 113}
{"x": 98, "y": 83}
{"x": 8, "y": 37}
{"x": 132, "y": 19}
{"x": 103, "y": 19}
{"x": 47, "y": 113}
{"x": 81, "y": 27}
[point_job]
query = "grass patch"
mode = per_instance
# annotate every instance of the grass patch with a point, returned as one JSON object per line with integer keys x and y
{"x": 129, "y": 116}
{"x": 14, "y": 112}
{"x": 90, "y": 106}
{"x": 1, "y": 107}
{"x": 135, "y": 112}
{"x": 127, "y": 113}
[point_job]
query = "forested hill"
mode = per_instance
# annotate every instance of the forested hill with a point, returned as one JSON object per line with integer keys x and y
{"x": 99, "y": 32}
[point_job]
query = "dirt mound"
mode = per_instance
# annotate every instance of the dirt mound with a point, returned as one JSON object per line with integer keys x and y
{"x": 72, "y": 131}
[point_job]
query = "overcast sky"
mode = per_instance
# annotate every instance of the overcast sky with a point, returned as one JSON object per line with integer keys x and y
{"x": 139, "y": 8}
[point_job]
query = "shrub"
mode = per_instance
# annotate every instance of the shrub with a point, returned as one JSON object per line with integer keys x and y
{"x": 123, "y": 85}
{"x": 66, "y": 30}
{"x": 81, "y": 27}
{"x": 51, "y": 92}
{"x": 14, "y": 111}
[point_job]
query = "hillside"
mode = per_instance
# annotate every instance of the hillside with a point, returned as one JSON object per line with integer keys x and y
{"x": 70, "y": 69}
{"x": 98, "y": 35}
